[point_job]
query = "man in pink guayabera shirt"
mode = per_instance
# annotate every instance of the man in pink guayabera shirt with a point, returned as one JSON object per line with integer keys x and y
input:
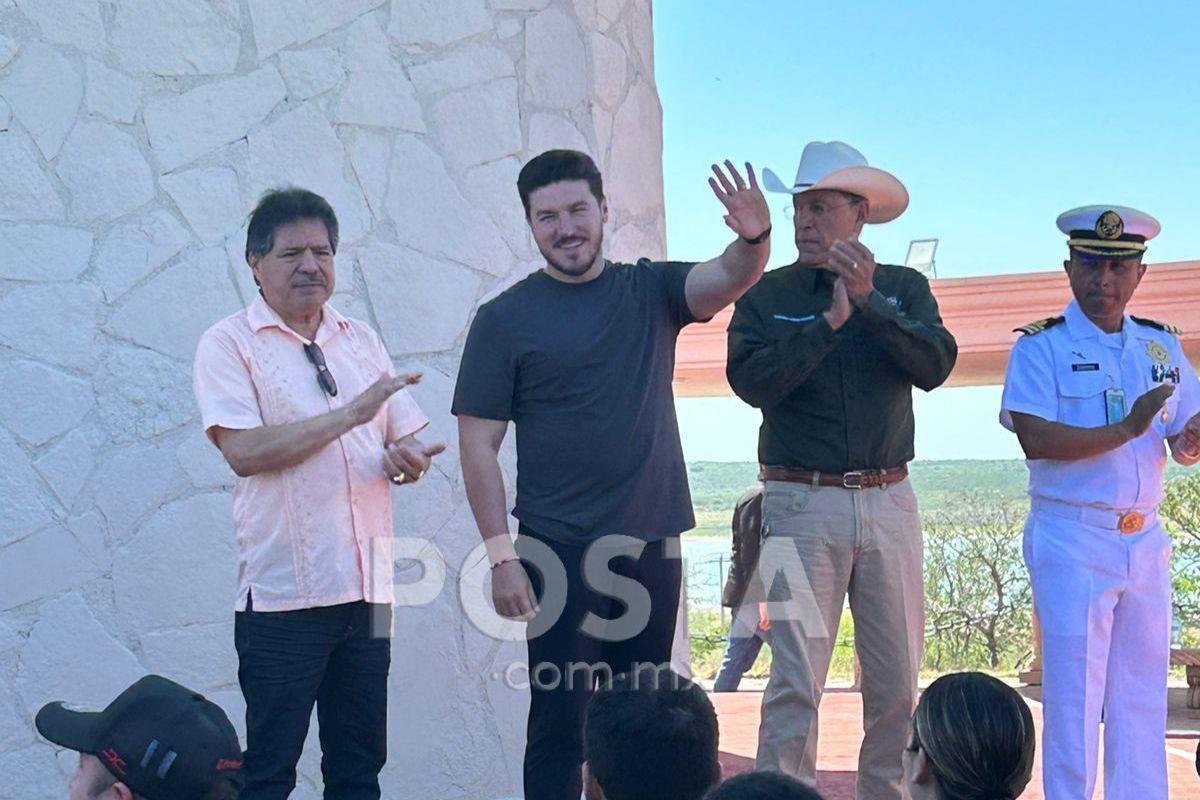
{"x": 304, "y": 405}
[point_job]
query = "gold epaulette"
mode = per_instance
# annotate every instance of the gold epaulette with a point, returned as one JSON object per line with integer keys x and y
{"x": 1162, "y": 326}
{"x": 1039, "y": 326}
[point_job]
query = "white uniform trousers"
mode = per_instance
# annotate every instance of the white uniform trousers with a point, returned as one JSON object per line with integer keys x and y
{"x": 1104, "y": 600}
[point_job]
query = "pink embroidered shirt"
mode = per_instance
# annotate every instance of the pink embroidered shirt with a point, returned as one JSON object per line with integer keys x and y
{"x": 318, "y": 533}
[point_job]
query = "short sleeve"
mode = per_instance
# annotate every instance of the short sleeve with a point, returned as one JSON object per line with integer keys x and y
{"x": 1029, "y": 386}
{"x": 404, "y": 416}
{"x": 223, "y": 385}
{"x": 672, "y": 278}
{"x": 1189, "y": 394}
{"x": 487, "y": 372}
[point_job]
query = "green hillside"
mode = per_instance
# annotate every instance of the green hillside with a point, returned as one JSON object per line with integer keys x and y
{"x": 716, "y": 485}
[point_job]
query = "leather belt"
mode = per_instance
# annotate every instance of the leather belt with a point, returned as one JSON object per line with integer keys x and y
{"x": 1126, "y": 523}
{"x": 857, "y": 479}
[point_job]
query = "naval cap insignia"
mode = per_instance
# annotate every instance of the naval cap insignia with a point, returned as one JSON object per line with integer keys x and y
{"x": 1110, "y": 225}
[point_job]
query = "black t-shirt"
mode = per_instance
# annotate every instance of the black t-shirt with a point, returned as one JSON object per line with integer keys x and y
{"x": 584, "y": 370}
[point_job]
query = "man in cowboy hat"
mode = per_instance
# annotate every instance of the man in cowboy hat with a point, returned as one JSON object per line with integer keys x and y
{"x": 1092, "y": 396}
{"x": 829, "y": 348}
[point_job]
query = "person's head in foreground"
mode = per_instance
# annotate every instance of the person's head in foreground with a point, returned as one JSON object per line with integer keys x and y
{"x": 652, "y": 735}
{"x": 763, "y": 786}
{"x": 157, "y": 741}
{"x": 972, "y": 739}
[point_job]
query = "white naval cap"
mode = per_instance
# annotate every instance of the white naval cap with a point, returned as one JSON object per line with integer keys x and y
{"x": 1108, "y": 230}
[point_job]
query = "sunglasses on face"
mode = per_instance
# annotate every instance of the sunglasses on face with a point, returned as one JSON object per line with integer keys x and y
{"x": 324, "y": 376}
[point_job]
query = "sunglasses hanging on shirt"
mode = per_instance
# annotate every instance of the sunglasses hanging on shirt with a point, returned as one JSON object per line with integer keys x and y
{"x": 324, "y": 376}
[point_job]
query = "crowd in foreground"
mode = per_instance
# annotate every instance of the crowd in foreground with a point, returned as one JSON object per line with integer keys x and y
{"x": 648, "y": 735}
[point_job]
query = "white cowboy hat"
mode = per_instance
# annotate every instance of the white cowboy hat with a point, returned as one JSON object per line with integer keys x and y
{"x": 837, "y": 165}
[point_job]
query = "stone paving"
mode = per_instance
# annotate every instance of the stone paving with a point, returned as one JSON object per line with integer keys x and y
{"x": 841, "y": 736}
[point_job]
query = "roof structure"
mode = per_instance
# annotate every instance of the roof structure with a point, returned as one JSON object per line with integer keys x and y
{"x": 982, "y": 313}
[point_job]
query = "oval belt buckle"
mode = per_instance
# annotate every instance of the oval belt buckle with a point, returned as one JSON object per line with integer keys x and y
{"x": 1131, "y": 522}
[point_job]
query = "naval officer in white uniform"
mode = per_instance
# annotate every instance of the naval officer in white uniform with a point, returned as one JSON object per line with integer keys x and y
{"x": 1093, "y": 395}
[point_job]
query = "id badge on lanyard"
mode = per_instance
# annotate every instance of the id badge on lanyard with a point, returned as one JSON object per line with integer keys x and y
{"x": 1114, "y": 405}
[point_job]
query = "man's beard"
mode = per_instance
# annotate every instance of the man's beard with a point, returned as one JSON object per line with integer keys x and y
{"x": 582, "y": 266}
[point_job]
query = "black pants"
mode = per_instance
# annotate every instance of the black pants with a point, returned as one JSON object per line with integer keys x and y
{"x": 565, "y": 654}
{"x": 334, "y": 656}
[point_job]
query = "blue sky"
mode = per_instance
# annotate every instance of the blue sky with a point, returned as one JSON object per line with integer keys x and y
{"x": 996, "y": 117}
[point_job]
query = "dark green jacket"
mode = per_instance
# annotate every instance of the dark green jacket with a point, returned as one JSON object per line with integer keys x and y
{"x": 836, "y": 401}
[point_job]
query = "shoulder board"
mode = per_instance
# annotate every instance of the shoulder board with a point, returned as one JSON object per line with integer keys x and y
{"x": 1162, "y": 326}
{"x": 1039, "y": 326}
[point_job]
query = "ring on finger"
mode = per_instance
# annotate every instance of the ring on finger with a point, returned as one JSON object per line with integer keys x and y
{"x": 399, "y": 479}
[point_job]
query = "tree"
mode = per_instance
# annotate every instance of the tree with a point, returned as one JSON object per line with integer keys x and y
{"x": 977, "y": 593}
{"x": 1180, "y": 513}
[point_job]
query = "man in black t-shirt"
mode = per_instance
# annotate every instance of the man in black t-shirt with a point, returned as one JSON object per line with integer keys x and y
{"x": 580, "y": 356}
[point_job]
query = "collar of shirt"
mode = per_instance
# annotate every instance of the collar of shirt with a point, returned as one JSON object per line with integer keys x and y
{"x": 260, "y": 315}
{"x": 813, "y": 279}
{"x": 1080, "y": 327}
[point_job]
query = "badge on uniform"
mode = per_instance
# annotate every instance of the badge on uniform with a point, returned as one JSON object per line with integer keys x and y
{"x": 1161, "y": 373}
{"x": 1157, "y": 352}
{"x": 1114, "y": 405}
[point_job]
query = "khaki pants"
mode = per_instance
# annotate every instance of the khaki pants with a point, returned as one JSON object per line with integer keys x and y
{"x": 820, "y": 543}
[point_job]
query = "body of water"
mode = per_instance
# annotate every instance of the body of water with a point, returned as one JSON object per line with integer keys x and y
{"x": 705, "y": 565}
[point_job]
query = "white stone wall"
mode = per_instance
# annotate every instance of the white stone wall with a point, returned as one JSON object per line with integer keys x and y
{"x": 135, "y": 135}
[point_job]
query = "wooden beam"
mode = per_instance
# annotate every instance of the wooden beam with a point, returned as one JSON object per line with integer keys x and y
{"x": 981, "y": 312}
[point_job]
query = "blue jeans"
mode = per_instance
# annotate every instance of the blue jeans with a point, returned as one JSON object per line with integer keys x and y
{"x": 745, "y": 641}
{"x": 336, "y": 657}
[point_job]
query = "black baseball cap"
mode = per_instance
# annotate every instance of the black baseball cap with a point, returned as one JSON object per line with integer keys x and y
{"x": 162, "y": 740}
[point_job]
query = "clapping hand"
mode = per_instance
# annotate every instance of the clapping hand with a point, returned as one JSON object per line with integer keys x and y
{"x": 839, "y": 310}
{"x": 364, "y": 407}
{"x": 1188, "y": 443}
{"x": 1144, "y": 409}
{"x": 407, "y": 460}
{"x": 747, "y": 213}
{"x": 854, "y": 264}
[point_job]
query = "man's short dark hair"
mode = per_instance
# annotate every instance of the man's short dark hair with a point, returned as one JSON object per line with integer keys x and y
{"x": 278, "y": 207}
{"x": 652, "y": 736}
{"x": 554, "y": 166}
{"x": 763, "y": 786}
